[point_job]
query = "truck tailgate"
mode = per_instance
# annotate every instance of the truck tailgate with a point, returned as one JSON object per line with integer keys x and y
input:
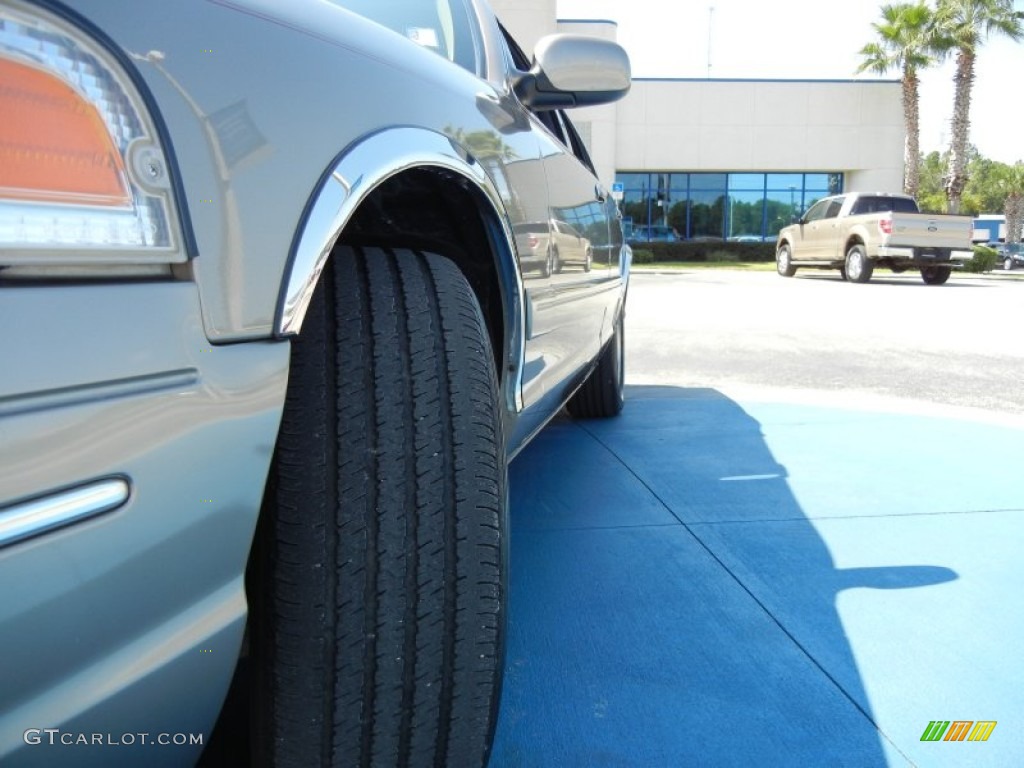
{"x": 925, "y": 230}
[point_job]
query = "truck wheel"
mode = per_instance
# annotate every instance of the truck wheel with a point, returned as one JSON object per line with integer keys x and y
{"x": 556, "y": 263}
{"x": 784, "y": 262}
{"x": 935, "y": 275}
{"x": 1007, "y": 264}
{"x": 602, "y": 394}
{"x": 858, "y": 265}
{"x": 588, "y": 261}
{"x": 377, "y": 580}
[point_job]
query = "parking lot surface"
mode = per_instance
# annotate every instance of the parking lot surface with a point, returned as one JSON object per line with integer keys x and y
{"x": 779, "y": 554}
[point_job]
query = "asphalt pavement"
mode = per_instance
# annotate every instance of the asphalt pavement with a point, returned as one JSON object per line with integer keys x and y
{"x": 799, "y": 545}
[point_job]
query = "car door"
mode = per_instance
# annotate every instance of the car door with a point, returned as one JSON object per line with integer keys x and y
{"x": 808, "y": 245}
{"x": 567, "y": 311}
{"x": 828, "y": 232}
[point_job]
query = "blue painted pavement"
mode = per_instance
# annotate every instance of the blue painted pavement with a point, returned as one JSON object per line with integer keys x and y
{"x": 711, "y": 582}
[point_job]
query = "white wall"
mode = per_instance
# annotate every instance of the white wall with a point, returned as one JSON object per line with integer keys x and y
{"x": 526, "y": 20}
{"x": 854, "y": 127}
{"x": 761, "y": 125}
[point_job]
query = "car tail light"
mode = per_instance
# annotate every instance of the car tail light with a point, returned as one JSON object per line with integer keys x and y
{"x": 885, "y": 225}
{"x": 83, "y": 177}
{"x": 531, "y": 240}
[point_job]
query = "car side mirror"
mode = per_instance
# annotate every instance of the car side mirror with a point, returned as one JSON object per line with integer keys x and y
{"x": 574, "y": 71}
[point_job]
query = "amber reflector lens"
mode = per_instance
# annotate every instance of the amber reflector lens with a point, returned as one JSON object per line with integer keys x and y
{"x": 54, "y": 146}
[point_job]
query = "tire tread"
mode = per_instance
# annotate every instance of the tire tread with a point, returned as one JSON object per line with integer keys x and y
{"x": 381, "y": 628}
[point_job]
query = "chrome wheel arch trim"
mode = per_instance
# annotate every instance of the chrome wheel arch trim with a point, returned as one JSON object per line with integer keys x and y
{"x": 359, "y": 170}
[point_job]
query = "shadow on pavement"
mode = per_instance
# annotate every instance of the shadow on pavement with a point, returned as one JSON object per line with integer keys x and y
{"x": 671, "y": 603}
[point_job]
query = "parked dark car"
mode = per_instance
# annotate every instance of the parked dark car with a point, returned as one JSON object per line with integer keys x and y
{"x": 268, "y": 350}
{"x": 1009, "y": 255}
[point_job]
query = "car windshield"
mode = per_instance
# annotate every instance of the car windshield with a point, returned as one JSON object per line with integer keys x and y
{"x": 440, "y": 25}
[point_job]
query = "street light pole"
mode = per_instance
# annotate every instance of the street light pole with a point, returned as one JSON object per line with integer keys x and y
{"x": 711, "y": 18}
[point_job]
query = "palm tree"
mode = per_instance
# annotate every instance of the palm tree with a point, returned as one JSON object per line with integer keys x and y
{"x": 1010, "y": 183}
{"x": 904, "y": 42}
{"x": 963, "y": 25}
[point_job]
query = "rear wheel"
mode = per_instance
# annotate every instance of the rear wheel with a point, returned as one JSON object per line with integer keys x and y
{"x": 935, "y": 275}
{"x": 588, "y": 260}
{"x": 784, "y": 261}
{"x": 1008, "y": 263}
{"x": 545, "y": 270}
{"x": 858, "y": 265}
{"x": 377, "y": 584}
{"x": 603, "y": 393}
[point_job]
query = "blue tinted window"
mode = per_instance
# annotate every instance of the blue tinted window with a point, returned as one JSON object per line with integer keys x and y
{"x": 739, "y": 206}
{"x": 707, "y": 181}
{"x": 746, "y": 181}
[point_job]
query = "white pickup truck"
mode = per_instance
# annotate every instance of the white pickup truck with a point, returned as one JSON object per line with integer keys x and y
{"x": 857, "y": 232}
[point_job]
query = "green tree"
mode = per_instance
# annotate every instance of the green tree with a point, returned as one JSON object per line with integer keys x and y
{"x": 905, "y": 42}
{"x": 961, "y": 27}
{"x": 931, "y": 195}
{"x": 981, "y": 194}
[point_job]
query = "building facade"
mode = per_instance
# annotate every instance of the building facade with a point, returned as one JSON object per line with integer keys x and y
{"x": 728, "y": 159}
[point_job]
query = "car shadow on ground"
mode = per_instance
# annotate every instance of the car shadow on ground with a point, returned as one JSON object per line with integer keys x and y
{"x": 672, "y": 604}
{"x": 893, "y": 279}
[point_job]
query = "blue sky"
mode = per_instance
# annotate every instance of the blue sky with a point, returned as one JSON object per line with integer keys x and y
{"x": 816, "y": 39}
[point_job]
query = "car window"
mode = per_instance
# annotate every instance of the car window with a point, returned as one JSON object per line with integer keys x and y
{"x": 551, "y": 121}
{"x": 522, "y": 63}
{"x": 833, "y": 209}
{"x": 556, "y": 120}
{"x": 884, "y": 204}
{"x": 817, "y": 211}
{"x": 443, "y": 26}
{"x": 864, "y": 205}
{"x": 575, "y": 142}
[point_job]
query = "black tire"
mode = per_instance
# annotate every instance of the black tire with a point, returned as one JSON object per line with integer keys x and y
{"x": 545, "y": 270}
{"x": 557, "y": 268}
{"x": 377, "y": 585}
{"x": 603, "y": 393}
{"x": 858, "y": 266}
{"x": 784, "y": 261}
{"x": 935, "y": 275}
{"x": 588, "y": 261}
{"x": 1007, "y": 264}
